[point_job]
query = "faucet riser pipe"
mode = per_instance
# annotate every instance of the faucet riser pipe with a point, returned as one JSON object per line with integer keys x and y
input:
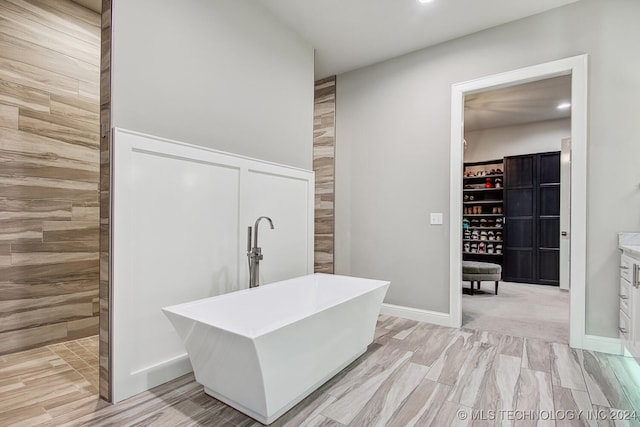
{"x": 254, "y": 253}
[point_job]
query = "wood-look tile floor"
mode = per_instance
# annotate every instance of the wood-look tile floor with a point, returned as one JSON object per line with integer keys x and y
{"x": 413, "y": 374}
{"x": 38, "y": 385}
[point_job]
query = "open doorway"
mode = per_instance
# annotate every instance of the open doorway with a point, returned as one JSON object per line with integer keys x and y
{"x": 576, "y": 68}
{"x": 49, "y": 255}
{"x": 511, "y": 208}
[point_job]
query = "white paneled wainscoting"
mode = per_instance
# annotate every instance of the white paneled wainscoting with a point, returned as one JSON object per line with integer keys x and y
{"x": 179, "y": 232}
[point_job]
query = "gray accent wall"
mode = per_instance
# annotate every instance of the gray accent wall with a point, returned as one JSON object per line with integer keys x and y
{"x": 392, "y": 150}
{"x": 221, "y": 74}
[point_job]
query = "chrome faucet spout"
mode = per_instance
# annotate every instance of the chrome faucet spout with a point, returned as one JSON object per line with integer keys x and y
{"x": 254, "y": 254}
{"x": 255, "y": 229}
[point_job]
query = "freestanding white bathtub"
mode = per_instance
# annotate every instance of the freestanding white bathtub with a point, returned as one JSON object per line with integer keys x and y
{"x": 262, "y": 350}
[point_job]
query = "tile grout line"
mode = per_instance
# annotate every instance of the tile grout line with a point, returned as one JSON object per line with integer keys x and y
{"x": 81, "y": 359}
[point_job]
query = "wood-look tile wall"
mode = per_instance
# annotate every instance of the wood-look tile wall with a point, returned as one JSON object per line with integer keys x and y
{"x": 49, "y": 172}
{"x": 324, "y": 167}
{"x": 105, "y": 203}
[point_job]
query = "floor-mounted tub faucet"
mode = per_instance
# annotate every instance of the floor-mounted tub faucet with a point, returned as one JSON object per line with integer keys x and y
{"x": 254, "y": 254}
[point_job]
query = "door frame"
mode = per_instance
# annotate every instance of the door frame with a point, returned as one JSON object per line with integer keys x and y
{"x": 577, "y": 67}
{"x": 565, "y": 212}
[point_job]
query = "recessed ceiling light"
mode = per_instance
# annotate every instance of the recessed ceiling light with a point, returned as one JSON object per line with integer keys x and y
{"x": 564, "y": 106}
{"x": 425, "y": 1}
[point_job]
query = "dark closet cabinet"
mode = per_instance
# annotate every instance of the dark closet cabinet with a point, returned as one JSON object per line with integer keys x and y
{"x": 532, "y": 219}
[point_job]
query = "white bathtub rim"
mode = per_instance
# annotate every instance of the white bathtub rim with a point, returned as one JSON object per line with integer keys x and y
{"x": 179, "y": 309}
{"x": 280, "y": 412}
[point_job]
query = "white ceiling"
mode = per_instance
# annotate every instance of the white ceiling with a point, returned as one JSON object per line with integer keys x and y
{"x": 515, "y": 105}
{"x": 349, "y": 34}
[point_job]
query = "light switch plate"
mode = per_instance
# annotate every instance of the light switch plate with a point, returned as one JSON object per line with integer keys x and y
{"x": 436, "y": 218}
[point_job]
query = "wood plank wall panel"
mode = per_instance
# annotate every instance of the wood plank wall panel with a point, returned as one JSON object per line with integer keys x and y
{"x": 324, "y": 167}
{"x": 105, "y": 359}
{"x": 49, "y": 172}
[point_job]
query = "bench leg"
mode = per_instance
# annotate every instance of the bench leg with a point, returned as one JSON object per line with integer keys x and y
{"x": 496, "y": 287}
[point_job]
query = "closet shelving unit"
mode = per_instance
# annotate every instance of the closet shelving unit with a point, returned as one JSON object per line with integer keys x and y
{"x": 483, "y": 211}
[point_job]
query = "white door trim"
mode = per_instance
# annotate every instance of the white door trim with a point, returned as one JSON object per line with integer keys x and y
{"x": 577, "y": 67}
{"x": 565, "y": 213}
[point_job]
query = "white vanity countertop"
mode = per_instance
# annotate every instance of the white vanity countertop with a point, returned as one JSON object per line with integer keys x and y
{"x": 630, "y": 242}
{"x": 633, "y": 250}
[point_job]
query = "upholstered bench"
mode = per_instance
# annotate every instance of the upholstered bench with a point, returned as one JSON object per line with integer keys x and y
{"x": 475, "y": 271}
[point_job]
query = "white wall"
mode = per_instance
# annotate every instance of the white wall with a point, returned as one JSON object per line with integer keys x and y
{"x": 223, "y": 74}
{"x": 392, "y": 150}
{"x": 181, "y": 236}
{"x": 496, "y": 143}
{"x": 220, "y": 74}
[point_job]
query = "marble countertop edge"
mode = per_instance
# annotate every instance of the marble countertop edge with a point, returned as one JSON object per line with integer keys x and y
{"x": 629, "y": 242}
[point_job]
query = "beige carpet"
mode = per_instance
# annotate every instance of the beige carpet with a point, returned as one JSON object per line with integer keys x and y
{"x": 532, "y": 311}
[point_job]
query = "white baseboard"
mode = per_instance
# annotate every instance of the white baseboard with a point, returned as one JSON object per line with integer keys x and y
{"x": 435, "y": 317}
{"x": 150, "y": 376}
{"x": 602, "y": 344}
